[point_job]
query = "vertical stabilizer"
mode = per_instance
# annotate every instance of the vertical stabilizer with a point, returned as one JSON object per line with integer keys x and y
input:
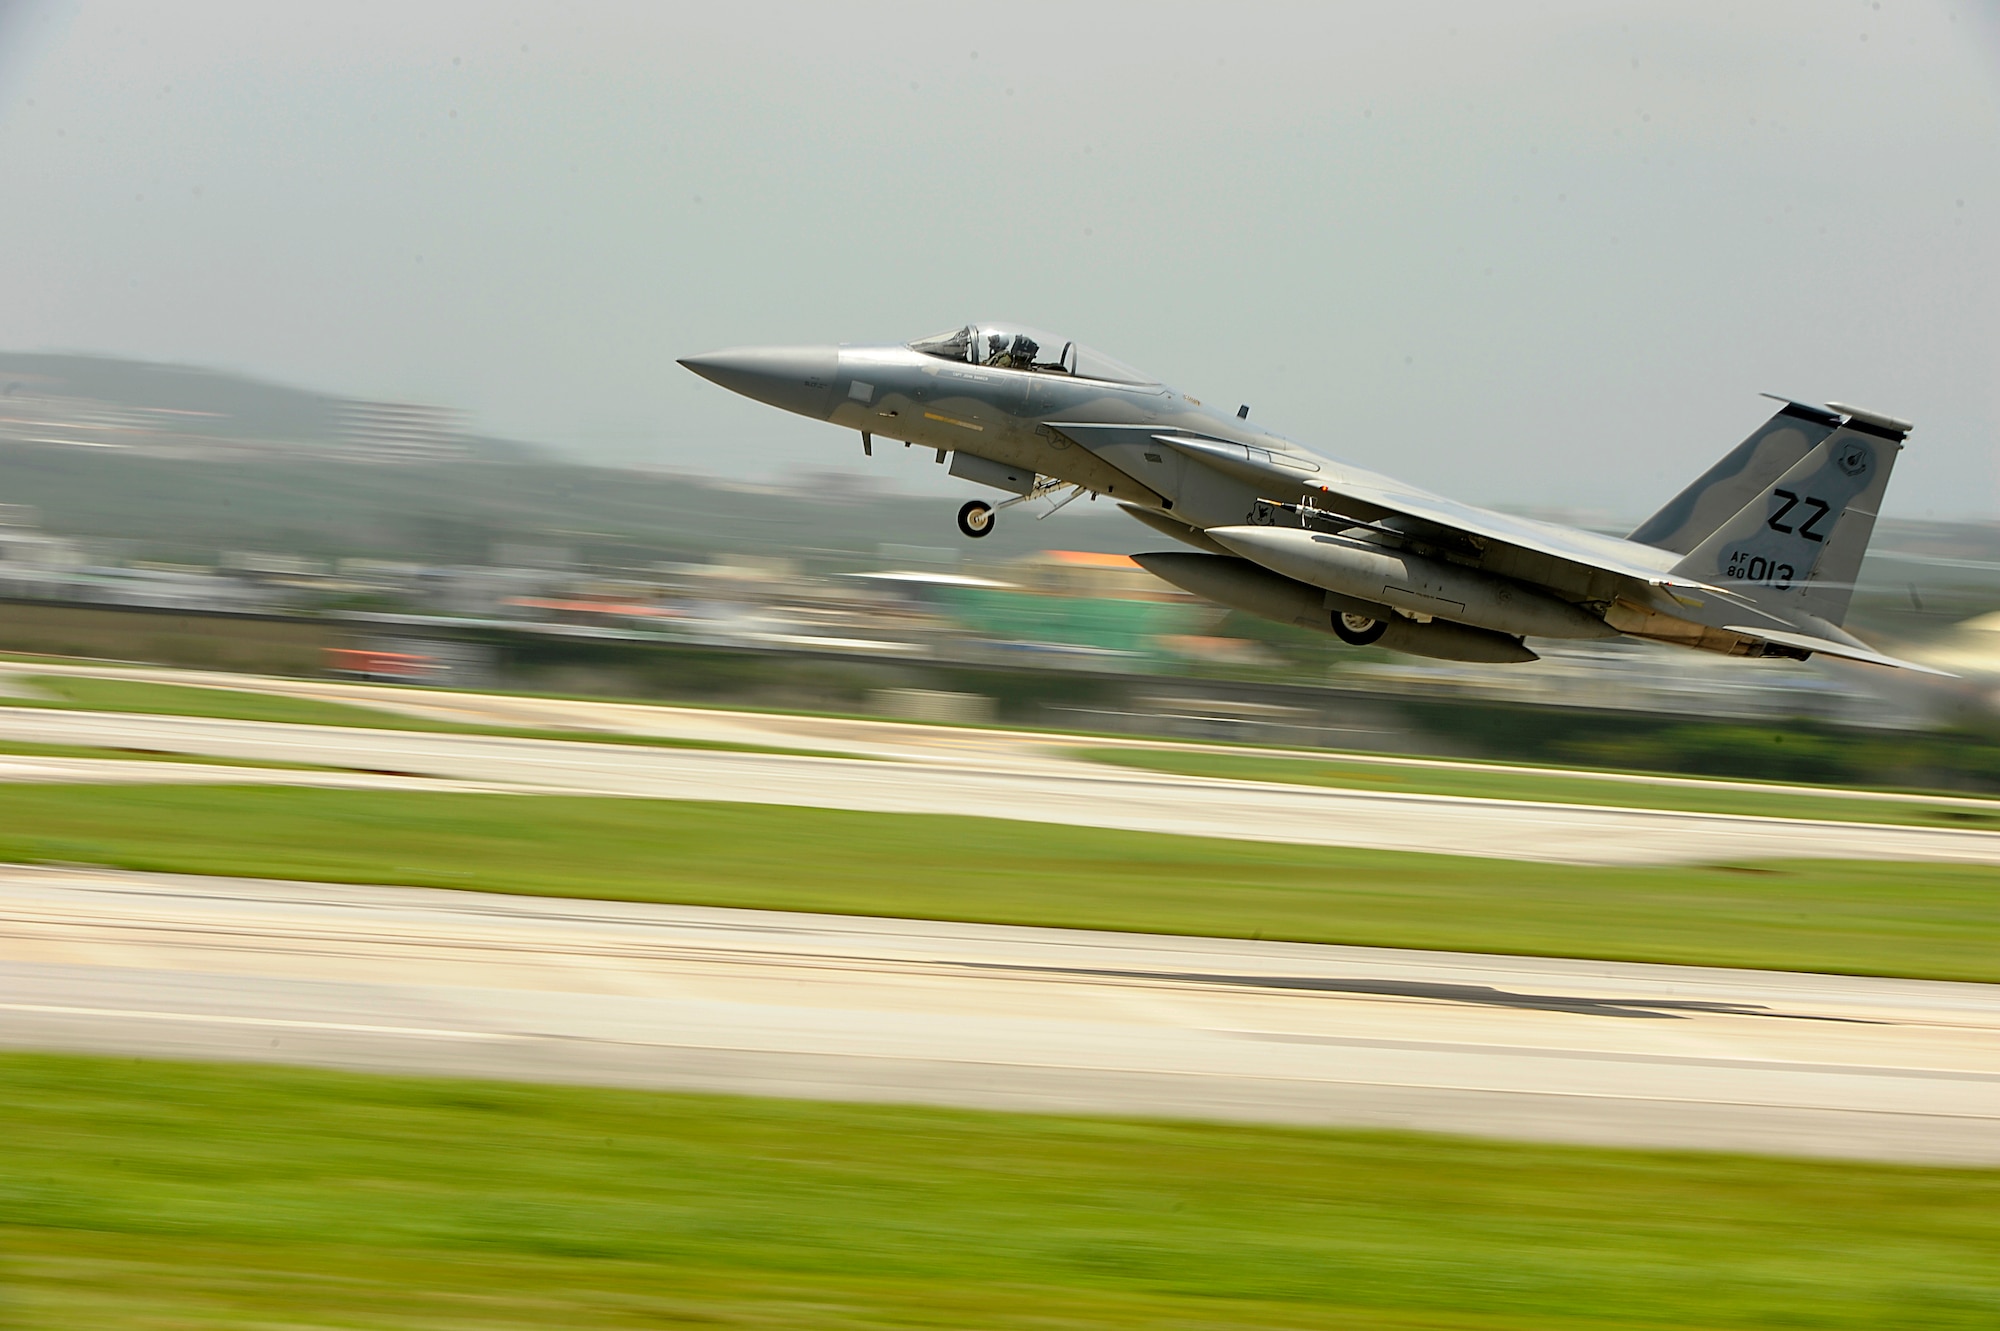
{"x": 1796, "y": 548}
{"x": 1693, "y": 514}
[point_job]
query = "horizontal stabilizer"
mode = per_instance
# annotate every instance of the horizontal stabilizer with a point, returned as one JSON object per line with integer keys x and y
{"x": 1805, "y": 642}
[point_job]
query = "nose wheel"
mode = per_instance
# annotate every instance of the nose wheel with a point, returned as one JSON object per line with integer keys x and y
{"x": 976, "y": 518}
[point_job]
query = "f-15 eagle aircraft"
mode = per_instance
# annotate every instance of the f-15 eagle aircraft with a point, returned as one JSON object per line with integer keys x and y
{"x": 1756, "y": 558}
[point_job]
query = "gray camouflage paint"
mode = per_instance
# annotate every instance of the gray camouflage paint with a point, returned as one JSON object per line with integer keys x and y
{"x": 1740, "y": 477}
{"x": 1208, "y": 478}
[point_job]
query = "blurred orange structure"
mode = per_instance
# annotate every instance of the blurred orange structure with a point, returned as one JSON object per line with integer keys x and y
{"x": 361, "y": 663}
{"x": 1090, "y": 573}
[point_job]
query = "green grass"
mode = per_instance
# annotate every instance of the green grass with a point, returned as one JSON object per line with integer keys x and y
{"x": 43, "y": 658}
{"x": 1553, "y": 788}
{"x": 1934, "y": 920}
{"x": 91, "y": 693}
{"x": 108, "y": 694}
{"x": 29, "y": 749}
{"x": 156, "y": 1196}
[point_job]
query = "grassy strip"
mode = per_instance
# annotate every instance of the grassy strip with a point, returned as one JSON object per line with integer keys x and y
{"x": 43, "y": 658}
{"x": 90, "y": 693}
{"x": 30, "y": 749}
{"x": 1553, "y": 788}
{"x": 1932, "y": 920}
{"x": 152, "y": 1196}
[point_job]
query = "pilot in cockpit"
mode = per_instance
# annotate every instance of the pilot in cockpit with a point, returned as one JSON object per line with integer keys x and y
{"x": 1018, "y": 349}
{"x": 1011, "y": 351}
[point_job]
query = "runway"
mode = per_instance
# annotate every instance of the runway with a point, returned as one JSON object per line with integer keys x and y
{"x": 875, "y": 737}
{"x": 398, "y": 979}
{"x": 986, "y": 780}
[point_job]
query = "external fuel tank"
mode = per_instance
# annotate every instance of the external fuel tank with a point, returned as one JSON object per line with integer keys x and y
{"x": 1413, "y": 584}
{"x": 1242, "y": 585}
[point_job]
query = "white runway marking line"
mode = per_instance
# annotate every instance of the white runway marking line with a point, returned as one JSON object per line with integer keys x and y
{"x": 225, "y": 1019}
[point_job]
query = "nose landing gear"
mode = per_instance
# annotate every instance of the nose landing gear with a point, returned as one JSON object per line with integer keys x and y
{"x": 976, "y": 518}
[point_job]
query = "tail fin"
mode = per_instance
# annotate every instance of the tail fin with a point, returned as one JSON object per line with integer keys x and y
{"x": 1693, "y": 514}
{"x": 1796, "y": 547}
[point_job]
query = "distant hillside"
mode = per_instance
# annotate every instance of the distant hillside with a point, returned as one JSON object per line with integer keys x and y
{"x": 192, "y": 510}
{"x": 175, "y": 463}
{"x": 106, "y": 401}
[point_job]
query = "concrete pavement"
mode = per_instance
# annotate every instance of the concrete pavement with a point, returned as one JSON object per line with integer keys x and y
{"x": 457, "y": 983}
{"x": 1015, "y": 785}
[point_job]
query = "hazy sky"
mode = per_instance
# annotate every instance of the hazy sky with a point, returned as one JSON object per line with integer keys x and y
{"x": 1534, "y": 253}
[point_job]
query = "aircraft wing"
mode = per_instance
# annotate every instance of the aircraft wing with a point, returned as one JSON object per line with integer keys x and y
{"x": 1544, "y": 538}
{"x": 1612, "y": 555}
{"x": 1286, "y": 472}
{"x": 1289, "y": 471}
{"x": 1831, "y": 647}
{"x": 1615, "y": 556}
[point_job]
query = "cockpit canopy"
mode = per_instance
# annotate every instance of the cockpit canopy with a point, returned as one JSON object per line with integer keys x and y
{"x": 1012, "y": 347}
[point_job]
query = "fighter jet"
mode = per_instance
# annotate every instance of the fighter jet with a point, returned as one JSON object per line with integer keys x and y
{"x": 1756, "y": 558}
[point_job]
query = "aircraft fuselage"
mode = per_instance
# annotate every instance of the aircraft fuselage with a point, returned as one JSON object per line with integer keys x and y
{"x": 1296, "y": 535}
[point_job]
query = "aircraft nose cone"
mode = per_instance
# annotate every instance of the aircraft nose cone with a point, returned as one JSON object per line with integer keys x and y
{"x": 795, "y": 378}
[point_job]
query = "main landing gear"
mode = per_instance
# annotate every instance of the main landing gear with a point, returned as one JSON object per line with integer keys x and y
{"x": 976, "y": 518}
{"x": 1358, "y": 630}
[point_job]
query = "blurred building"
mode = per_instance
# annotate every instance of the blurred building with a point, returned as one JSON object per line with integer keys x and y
{"x": 1079, "y": 609}
{"x": 398, "y": 432}
{"x": 26, "y": 548}
{"x": 1089, "y": 573}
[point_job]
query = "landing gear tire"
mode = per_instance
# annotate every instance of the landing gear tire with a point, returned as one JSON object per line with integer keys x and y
{"x": 976, "y": 518}
{"x": 1358, "y": 630}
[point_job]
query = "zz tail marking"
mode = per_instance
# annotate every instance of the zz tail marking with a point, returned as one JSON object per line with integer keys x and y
{"x": 1791, "y": 502}
{"x": 1806, "y": 527}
